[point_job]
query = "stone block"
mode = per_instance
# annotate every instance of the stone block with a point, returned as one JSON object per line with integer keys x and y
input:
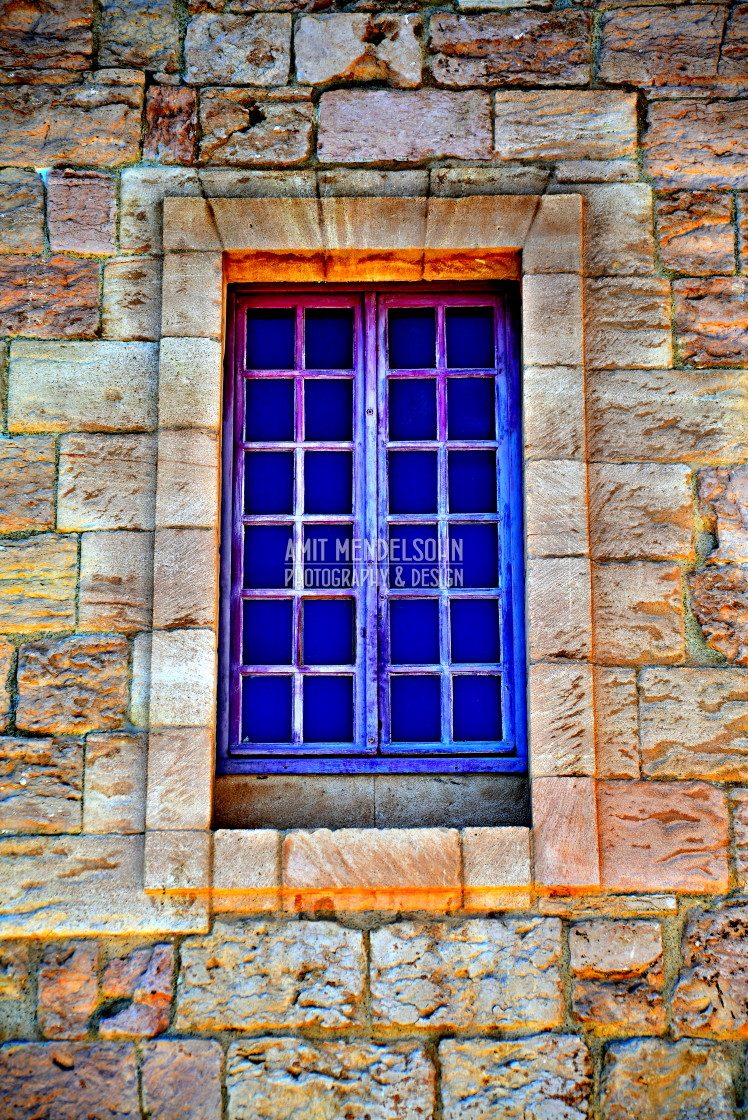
{"x": 618, "y": 238}
{"x": 372, "y": 869}
{"x": 552, "y": 320}
{"x": 694, "y": 723}
{"x": 7, "y": 655}
{"x": 239, "y": 126}
{"x": 523, "y": 48}
{"x": 259, "y": 975}
{"x": 738, "y": 802}
{"x": 276, "y": 223}
{"x": 67, "y": 989}
{"x": 616, "y": 723}
{"x": 743, "y": 229}
{"x": 627, "y": 323}
{"x": 663, "y": 49}
{"x": 482, "y": 973}
{"x": 545, "y": 1075}
{"x": 565, "y": 832}
{"x": 95, "y": 124}
{"x": 68, "y": 686}
{"x": 668, "y": 415}
{"x": 140, "y": 683}
{"x": 508, "y": 178}
{"x": 188, "y": 479}
{"x": 53, "y": 298}
{"x": 40, "y": 785}
{"x": 640, "y": 511}
{"x": 70, "y": 886}
{"x": 115, "y": 581}
{"x": 79, "y": 386}
{"x": 597, "y": 171}
{"x": 669, "y": 836}
{"x": 697, "y": 144}
{"x": 494, "y": 221}
{"x": 496, "y": 869}
{"x": 37, "y": 584}
{"x": 180, "y": 772}
{"x": 359, "y": 47}
{"x": 558, "y": 607}
{"x": 238, "y": 50}
{"x": 711, "y": 992}
{"x": 556, "y": 504}
{"x": 565, "y": 124}
{"x": 183, "y": 678}
{"x": 115, "y": 784}
{"x": 139, "y": 35}
{"x": 561, "y": 719}
{"x": 21, "y": 211}
{"x": 710, "y": 320}
{"x": 346, "y": 1078}
{"x": 27, "y": 477}
{"x": 192, "y": 295}
{"x": 189, "y": 383}
{"x": 695, "y": 231}
{"x": 719, "y": 601}
{"x": 246, "y": 869}
{"x": 638, "y": 613}
{"x": 142, "y": 192}
{"x": 185, "y": 578}
{"x": 226, "y": 182}
{"x": 554, "y": 242}
{"x": 395, "y": 223}
{"x": 355, "y": 182}
{"x": 106, "y": 482}
{"x": 617, "y": 976}
{"x": 55, "y": 48}
{"x": 144, "y": 978}
{"x": 182, "y": 1079}
{"x": 670, "y": 1080}
{"x": 101, "y": 1079}
{"x": 131, "y": 301}
{"x": 372, "y": 126}
{"x": 177, "y": 862}
{"x": 723, "y": 501}
{"x": 15, "y": 970}
{"x": 171, "y": 124}
{"x": 554, "y": 412}
{"x": 81, "y": 211}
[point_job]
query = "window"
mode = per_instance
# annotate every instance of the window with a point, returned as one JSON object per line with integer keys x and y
{"x": 372, "y": 559}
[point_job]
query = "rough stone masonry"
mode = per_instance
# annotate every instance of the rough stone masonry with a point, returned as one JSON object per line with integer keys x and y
{"x": 625, "y": 1005}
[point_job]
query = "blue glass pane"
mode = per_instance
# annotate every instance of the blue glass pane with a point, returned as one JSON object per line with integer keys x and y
{"x": 412, "y": 407}
{"x": 471, "y": 408}
{"x": 472, "y": 481}
{"x": 328, "y": 482}
{"x": 268, "y": 556}
{"x": 414, "y": 556}
{"x": 271, "y": 333}
{"x": 328, "y": 338}
{"x": 266, "y": 709}
{"x": 267, "y": 632}
{"x": 475, "y": 631}
{"x": 268, "y": 482}
{"x": 414, "y": 631}
{"x": 474, "y": 555}
{"x": 328, "y": 629}
{"x": 413, "y": 481}
{"x": 470, "y": 338}
{"x": 328, "y": 408}
{"x": 415, "y": 709}
{"x": 328, "y": 556}
{"x": 411, "y": 336}
{"x": 328, "y": 709}
{"x": 476, "y": 709}
{"x": 269, "y": 409}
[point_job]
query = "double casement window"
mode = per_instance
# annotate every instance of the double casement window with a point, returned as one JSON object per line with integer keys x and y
{"x": 372, "y": 569}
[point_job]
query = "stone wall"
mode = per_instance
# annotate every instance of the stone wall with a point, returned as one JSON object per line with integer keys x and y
{"x": 621, "y": 1005}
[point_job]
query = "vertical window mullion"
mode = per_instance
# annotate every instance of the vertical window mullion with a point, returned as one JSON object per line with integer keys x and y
{"x": 368, "y": 459}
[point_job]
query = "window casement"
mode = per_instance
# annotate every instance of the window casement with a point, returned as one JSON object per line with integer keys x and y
{"x": 372, "y": 568}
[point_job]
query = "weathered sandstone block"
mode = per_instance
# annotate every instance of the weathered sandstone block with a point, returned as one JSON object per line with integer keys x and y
{"x": 360, "y": 47}
{"x": 188, "y": 479}
{"x": 697, "y": 144}
{"x": 616, "y": 723}
{"x": 106, "y": 482}
{"x": 7, "y": 654}
{"x": 81, "y": 386}
{"x": 115, "y": 581}
{"x": 638, "y": 613}
{"x": 142, "y": 192}
{"x": 72, "y": 685}
{"x": 670, "y": 1080}
{"x": 68, "y": 993}
{"x": 723, "y": 496}
{"x": 561, "y": 719}
{"x": 481, "y": 973}
{"x": 711, "y": 995}
{"x": 240, "y": 126}
{"x": 627, "y": 323}
{"x": 177, "y": 861}
{"x": 72, "y": 1078}
{"x": 15, "y": 970}
{"x": 618, "y": 238}
{"x": 354, "y": 1079}
{"x": 738, "y": 801}
{"x": 182, "y": 1078}
{"x": 565, "y": 831}
{"x": 81, "y": 211}
{"x": 695, "y": 231}
{"x": 145, "y": 978}
{"x": 640, "y": 511}
{"x": 185, "y": 576}
{"x": 711, "y": 321}
{"x": 374, "y": 125}
{"x": 183, "y": 678}
{"x": 142, "y": 35}
{"x": 719, "y": 600}
{"x": 131, "y": 307}
{"x": 115, "y": 783}
{"x": 574, "y": 124}
{"x": 617, "y": 975}
{"x": 507, "y": 178}
{"x": 559, "y": 607}
{"x": 53, "y": 45}
{"x": 55, "y": 298}
{"x": 546, "y": 1075}
{"x": 21, "y": 211}
{"x": 496, "y": 870}
{"x": 171, "y": 124}
{"x": 41, "y": 784}
{"x": 246, "y": 869}
{"x": 257, "y": 975}
{"x": 37, "y": 584}
{"x": 27, "y": 476}
{"x": 662, "y": 48}
{"x": 237, "y": 50}
{"x": 553, "y": 413}
{"x": 556, "y": 508}
{"x": 524, "y": 48}
{"x": 180, "y": 763}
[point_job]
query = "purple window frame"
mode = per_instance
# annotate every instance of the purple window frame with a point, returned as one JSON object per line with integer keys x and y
{"x": 371, "y": 751}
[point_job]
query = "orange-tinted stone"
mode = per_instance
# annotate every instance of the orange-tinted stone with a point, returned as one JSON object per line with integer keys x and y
{"x": 694, "y": 143}
{"x": 27, "y": 476}
{"x": 719, "y": 600}
{"x": 695, "y": 231}
{"x": 68, "y": 992}
{"x": 711, "y": 320}
{"x": 638, "y": 613}
{"x": 565, "y": 832}
{"x": 55, "y": 298}
{"x": 171, "y": 124}
{"x": 617, "y": 975}
{"x": 48, "y": 43}
{"x": 72, "y": 685}
{"x": 711, "y": 995}
{"x": 81, "y": 211}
